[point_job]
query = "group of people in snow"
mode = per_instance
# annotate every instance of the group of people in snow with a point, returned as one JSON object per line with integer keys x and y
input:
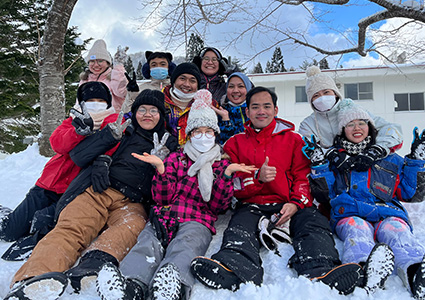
{"x": 142, "y": 172}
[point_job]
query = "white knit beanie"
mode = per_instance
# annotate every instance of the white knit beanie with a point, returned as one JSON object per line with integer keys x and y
{"x": 99, "y": 51}
{"x": 350, "y": 111}
{"x": 201, "y": 114}
{"x": 317, "y": 81}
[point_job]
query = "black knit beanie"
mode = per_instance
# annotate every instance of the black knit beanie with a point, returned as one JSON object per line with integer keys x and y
{"x": 186, "y": 68}
{"x": 94, "y": 89}
{"x": 149, "y": 97}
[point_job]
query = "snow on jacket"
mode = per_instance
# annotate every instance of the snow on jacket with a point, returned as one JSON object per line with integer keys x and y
{"x": 116, "y": 81}
{"x": 238, "y": 118}
{"x": 282, "y": 145}
{"x": 177, "y": 118}
{"x": 60, "y": 170}
{"x": 374, "y": 194}
{"x": 324, "y": 125}
{"x": 178, "y": 197}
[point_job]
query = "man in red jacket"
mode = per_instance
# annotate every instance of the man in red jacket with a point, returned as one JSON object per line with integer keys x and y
{"x": 278, "y": 188}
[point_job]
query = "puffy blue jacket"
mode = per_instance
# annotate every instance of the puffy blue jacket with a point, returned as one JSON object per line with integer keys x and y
{"x": 374, "y": 194}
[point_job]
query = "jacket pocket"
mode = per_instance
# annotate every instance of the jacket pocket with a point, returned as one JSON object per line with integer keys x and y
{"x": 383, "y": 178}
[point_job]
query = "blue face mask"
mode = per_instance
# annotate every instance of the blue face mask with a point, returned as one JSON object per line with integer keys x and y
{"x": 159, "y": 73}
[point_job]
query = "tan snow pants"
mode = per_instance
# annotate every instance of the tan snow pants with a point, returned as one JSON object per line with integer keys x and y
{"x": 79, "y": 224}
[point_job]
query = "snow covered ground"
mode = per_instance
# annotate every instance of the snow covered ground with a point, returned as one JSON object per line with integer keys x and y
{"x": 18, "y": 173}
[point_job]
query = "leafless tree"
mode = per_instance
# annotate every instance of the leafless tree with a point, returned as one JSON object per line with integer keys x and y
{"x": 174, "y": 19}
{"x": 51, "y": 71}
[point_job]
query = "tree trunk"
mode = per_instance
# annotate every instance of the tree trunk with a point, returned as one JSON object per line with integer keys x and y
{"x": 51, "y": 71}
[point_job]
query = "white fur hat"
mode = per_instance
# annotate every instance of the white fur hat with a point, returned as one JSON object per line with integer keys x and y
{"x": 317, "y": 81}
{"x": 201, "y": 114}
{"x": 99, "y": 51}
{"x": 349, "y": 111}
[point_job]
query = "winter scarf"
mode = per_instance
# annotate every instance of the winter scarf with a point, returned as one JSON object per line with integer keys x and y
{"x": 203, "y": 167}
{"x": 354, "y": 149}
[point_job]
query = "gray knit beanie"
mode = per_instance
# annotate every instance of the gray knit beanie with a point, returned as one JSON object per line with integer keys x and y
{"x": 99, "y": 51}
{"x": 201, "y": 114}
{"x": 317, "y": 81}
{"x": 349, "y": 111}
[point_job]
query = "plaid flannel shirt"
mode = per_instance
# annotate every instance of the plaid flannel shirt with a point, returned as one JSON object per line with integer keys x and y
{"x": 178, "y": 197}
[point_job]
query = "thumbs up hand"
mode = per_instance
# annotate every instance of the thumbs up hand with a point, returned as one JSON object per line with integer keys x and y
{"x": 267, "y": 173}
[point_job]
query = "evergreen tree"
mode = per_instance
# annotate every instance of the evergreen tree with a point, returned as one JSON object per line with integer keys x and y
{"x": 307, "y": 64}
{"x": 139, "y": 74}
{"x": 21, "y": 26}
{"x": 257, "y": 69}
{"x": 128, "y": 66}
{"x": 196, "y": 43}
{"x": 323, "y": 64}
{"x": 276, "y": 64}
{"x": 234, "y": 65}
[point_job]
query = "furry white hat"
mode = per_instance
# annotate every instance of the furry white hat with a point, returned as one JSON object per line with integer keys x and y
{"x": 99, "y": 51}
{"x": 201, "y": 114}
{"x": 349, "y": 111}
{"x": 317, "y": 81}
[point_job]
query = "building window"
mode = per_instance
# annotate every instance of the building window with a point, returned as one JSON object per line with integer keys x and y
{"x": 359, "y": 91}
{"x": 300, "y": 95}
{"x": 409, "y": 102}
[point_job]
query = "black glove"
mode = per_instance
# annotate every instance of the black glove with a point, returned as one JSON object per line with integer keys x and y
{"x": 82, "y": 122}
{"x": 100, "y": 173}
{"x": 417, "y": 150}
{"x": 365, "y": 160}
{"x": 341, "y": 160}
{"x": 132, "y": 85}
{"x": 313, "y": 151}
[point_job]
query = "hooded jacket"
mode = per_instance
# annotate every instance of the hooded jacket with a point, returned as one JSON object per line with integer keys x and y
{"x": 324, "y": 125}
{"x": 282, "y": 146}
{"x": 116, "y": 81}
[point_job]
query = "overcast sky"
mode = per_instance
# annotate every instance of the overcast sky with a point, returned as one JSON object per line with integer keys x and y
{"x": 116, "y": 22}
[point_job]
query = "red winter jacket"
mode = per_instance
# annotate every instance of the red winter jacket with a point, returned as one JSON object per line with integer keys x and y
{"x": 60, "y": 170}
{"x": 283, "y": 146}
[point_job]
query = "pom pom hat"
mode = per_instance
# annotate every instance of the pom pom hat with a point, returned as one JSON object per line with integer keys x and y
{"x": 201, "y": 113}
{"x": 350, "y": 111}
{"x": 317, "y": 81}
{"x": 99, "y": 51}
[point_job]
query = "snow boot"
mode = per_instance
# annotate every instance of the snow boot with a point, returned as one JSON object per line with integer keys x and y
{"x": 48, "y": 286}
{"x": 87, "y": 269}
{"x": 167, "y": 283}
{"x": 111, "y": 285}
{"x": 343, "y": 278}
{"x": 213, "y": 274}
{"x": 417, "y": 281}
{"x": 379, "y": 266}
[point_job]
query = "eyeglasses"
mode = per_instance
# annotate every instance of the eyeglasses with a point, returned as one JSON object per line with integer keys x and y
{"x": 197, "y": 134}
{"x": 208, "y": 59}
{"x": 152, "y": 111}
{"x": 352, "y": 125}
{"x": 96, "y": 61}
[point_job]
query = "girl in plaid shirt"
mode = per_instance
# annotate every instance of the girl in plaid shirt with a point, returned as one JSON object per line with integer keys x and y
{"x": 191, "y": 187}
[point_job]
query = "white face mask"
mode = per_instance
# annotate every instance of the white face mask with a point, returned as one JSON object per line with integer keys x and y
{"x": 324, "y": 103}
{"x": 183, "y": 96}
{"x": 203, "y": 144}
{"x": 94, "y": 107}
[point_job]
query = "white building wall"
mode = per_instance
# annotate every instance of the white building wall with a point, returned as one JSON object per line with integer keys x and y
{"x": 386, "y": 82}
